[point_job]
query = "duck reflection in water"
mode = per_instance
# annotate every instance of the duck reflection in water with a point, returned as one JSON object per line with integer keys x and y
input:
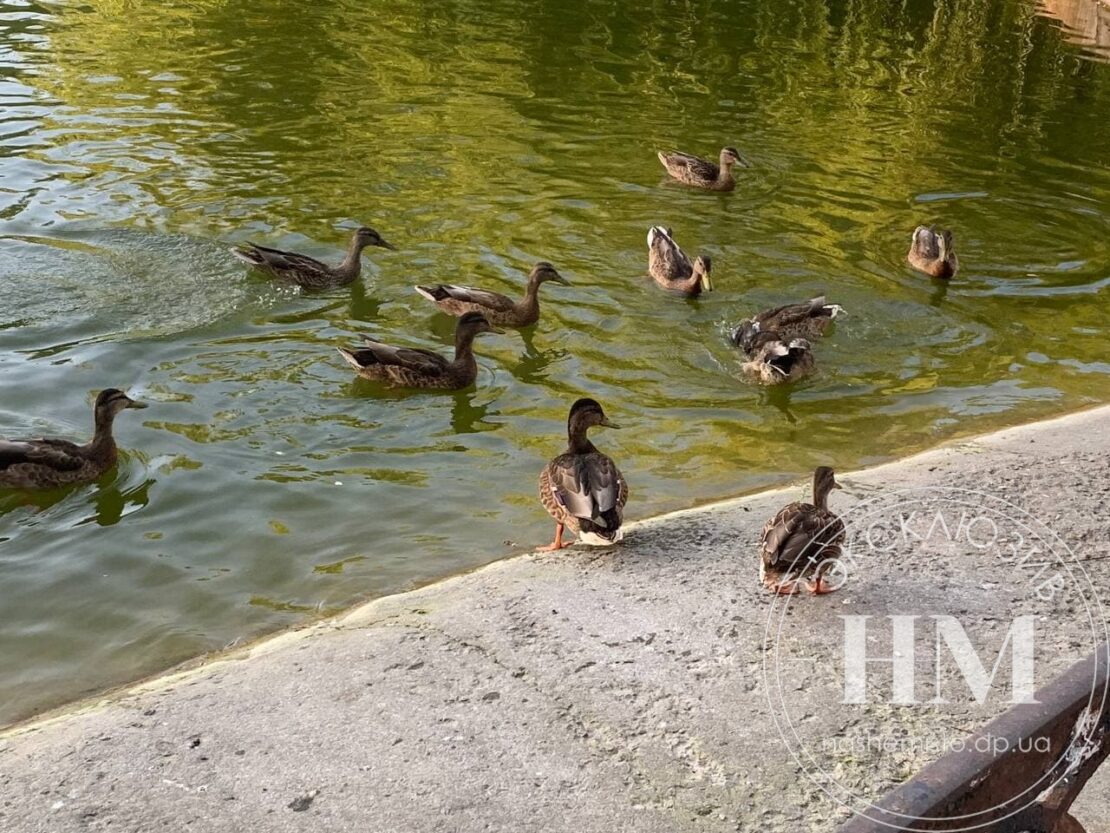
{"x": 533, "y": 363}
{"x": 778, "y": 397}
{"x": 468, "y": 416}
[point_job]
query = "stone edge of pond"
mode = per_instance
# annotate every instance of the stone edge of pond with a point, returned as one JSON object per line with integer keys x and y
{"x": 384, "y": 607}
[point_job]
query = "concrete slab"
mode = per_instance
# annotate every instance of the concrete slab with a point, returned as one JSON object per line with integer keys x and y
{"x": 590, "y": 690}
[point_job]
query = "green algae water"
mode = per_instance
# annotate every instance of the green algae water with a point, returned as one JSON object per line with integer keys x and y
{"x": 266, "y": 485}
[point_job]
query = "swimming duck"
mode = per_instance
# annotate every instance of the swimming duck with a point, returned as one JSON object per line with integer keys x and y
{"x": 672, "y": 269}
{"x": 497, "y": 308}
{"x": 307, "y": 271}
{"x": 806, "y": 320}
{"x": 582, "y": 488}
{"x": 932, "y": 253}
{"x": 413, "y": 367}
{"x": 774, "y": 359}
{"x": 803, "y": 539}
{"x": 693, "y": 170}
{"x": 48, "y": 463}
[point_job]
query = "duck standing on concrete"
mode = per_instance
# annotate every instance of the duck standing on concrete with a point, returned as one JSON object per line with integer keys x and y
{"x": 307, "y": 271}
{"x": 931, "y": 252}
{"x": 670, "y": 267}
{"x": 498, "y": 309}
{"x": 701, "y": 173}
{"x": 802, "y": 542}
{"x": 414, "y": 367}
{"x": 48, "y": 463}
{"x": 582, "y": 488}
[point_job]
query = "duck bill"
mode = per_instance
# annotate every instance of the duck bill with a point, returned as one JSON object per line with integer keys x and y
{"x": 561, "y": 280}
{"x": 607, "y": 424}
{"x": 706, "y": 283}
{"x": 137, "y": 405}
{"x": 385, "y": 244}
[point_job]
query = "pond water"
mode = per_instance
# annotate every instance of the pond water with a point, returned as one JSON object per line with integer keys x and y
{"x": 266, "y": 485}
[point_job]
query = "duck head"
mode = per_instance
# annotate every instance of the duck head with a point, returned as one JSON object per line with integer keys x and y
{"x": 543, "y": 272}
{"x": 366, "y": 236}
{"x": 731, "y": 156}
{"x": 587, "y": 413}
{"x": 702, "y": 267}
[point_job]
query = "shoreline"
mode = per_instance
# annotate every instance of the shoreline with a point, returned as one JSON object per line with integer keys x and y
{"x": 592, "y": 689}
{"x": 275, "y": 640}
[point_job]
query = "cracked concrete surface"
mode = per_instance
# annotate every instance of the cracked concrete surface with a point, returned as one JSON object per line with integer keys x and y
{"x": 587, "y": 690}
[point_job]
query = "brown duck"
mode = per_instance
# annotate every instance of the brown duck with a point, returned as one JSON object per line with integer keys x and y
{"x": 774, "y": 359}
{"x": 48, "y": 463}
{"x": 672, "y": 269}
{"x": 931, "y": 252}
{"x": 806, "y": 320}
{"x": 582, "y": 488}
{"x": 701, "y": 173}
{"x": 498, "y": 309}
{"x": 413, "y": 367}
{"x": 307, "y": 271}
{"x": 802, "y": 542}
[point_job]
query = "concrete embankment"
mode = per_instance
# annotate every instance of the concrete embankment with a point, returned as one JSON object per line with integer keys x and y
{"x": 588, "y": 690}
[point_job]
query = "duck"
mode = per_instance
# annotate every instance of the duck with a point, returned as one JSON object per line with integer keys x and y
{"x": 931, "y": 252}
{"x": 806, "y": 320}
{"x": 499, "y": 310}
{"x": 308, "y": 272}
{"x": 671, "y": 268}
{"x": 701, "y": 173}
{"x": 582, "y": 488}
{"x": 774, "y": 359}
{"x": 803, "y": 541}
{"x": 413, "y": 367}
{"x": 48, "y": 463}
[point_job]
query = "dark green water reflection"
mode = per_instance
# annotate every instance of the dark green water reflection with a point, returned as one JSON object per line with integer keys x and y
{"x": 265, "y": 484}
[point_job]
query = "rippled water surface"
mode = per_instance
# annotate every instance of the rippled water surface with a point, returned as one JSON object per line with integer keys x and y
{"x": 265, "y": 484}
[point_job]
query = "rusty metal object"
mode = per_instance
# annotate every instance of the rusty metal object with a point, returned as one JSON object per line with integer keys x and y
{"x": 1037, "y": 758}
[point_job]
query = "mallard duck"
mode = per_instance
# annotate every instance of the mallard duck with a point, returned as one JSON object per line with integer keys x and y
{"x": 672, "y": 269}
{"x": 932, "y": 253}
{"x": 582, "y": 488}
{"x": 413, "y": 367}
{"x": 803, "y": 539}
{"x": 693, "y": 170}
{"x": 807, "y": 320}
{"x": 307, "y": 271}
{"x": 48, "y": 463}
{"x": 497, "y": 308}
{"x": 774, "y": 359}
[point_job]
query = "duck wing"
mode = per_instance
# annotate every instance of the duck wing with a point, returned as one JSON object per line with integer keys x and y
{"x": 798, "y": 532}
{"x": 590, "y": 487}
{"x": 695, "y": 166}
{"x": 60, "y": 455}
{"x": 665, "y": 257}
{"x": 412, "y": 358}
{"x": 280, "y": 261}
{"x": 467, "y": 295}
